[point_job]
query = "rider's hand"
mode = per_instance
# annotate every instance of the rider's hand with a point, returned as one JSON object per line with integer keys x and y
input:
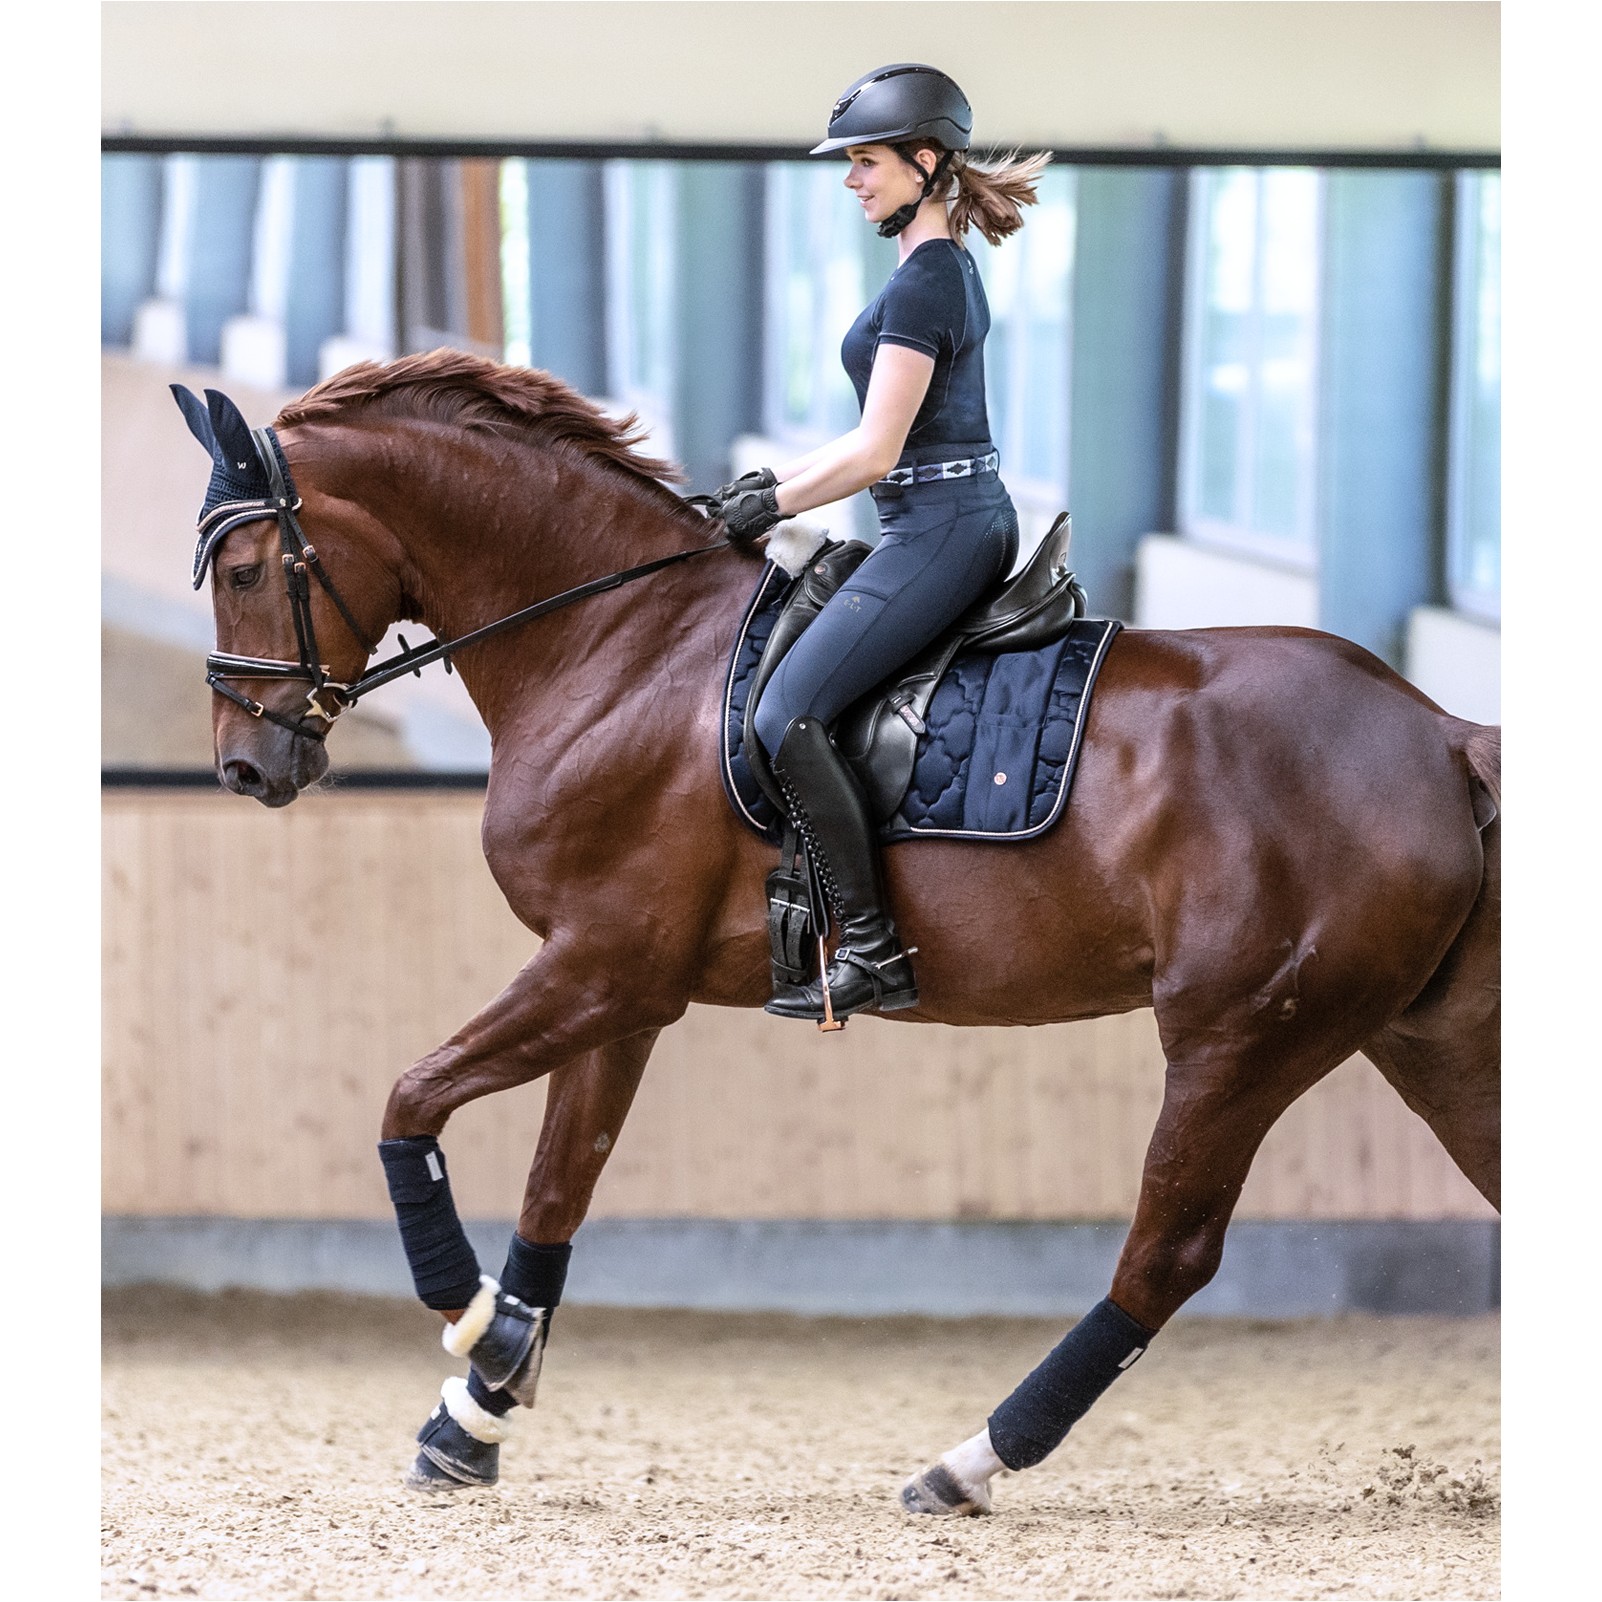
{"x": 763, "y": 478}
{"x": 749, "y": 514}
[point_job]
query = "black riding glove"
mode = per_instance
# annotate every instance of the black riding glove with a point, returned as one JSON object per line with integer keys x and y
{"x": 749, "y": 514}
{"x": 763, "y": 478}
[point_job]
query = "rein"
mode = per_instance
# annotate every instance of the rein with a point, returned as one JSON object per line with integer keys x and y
{"x": 328, "y": 697}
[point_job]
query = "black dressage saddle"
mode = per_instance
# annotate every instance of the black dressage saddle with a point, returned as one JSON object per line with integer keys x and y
{"x": 878, "y": 735}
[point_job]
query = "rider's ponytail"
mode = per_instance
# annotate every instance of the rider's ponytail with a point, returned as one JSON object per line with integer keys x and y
{"x": 990, "y": 195}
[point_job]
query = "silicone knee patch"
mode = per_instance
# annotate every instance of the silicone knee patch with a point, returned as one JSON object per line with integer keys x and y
{"x": 1032, "y": 1422}
{"x": 444, "y": 1268}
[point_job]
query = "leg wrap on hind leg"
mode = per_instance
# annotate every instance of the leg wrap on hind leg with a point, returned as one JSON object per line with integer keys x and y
{"x": 1032, "y": 1422}
{"x": 444, "y": 1268}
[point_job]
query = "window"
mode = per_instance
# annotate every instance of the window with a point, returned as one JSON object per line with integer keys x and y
{"x": 818, "y": 279}
{"x": 642, "y": 273}
{"x": 1029, "y": 284}
{"x": 824, "y": 264}
{"x": 516, "y": 300}
{"x": 1474, "y": 484}
{"x": 1247, "y": 466}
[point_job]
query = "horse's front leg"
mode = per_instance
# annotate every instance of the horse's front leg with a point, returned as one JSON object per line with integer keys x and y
{"x": 588, "y": 1101}
{"x": 564, "y": 1005}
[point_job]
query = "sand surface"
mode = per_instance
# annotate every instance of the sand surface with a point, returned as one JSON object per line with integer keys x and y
{"x": 253, "y": 1448}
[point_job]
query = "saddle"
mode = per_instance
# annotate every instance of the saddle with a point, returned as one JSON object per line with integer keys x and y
{"x": 878, "y": 735}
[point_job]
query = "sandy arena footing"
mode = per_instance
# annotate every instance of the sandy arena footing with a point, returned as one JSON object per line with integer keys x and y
{"x": 254, "y": 1446}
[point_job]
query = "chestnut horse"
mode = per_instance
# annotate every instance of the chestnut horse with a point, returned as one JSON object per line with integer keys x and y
{"x": 1274, "y": 841}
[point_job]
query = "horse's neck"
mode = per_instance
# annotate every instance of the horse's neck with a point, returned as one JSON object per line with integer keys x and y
{"x": 491, "y": 531}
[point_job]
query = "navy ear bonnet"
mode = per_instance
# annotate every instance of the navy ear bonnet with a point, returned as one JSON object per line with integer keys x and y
{"x": 240, "y": 490}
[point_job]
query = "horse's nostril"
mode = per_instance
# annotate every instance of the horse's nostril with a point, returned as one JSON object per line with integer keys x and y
{"x": 243, "y": 778}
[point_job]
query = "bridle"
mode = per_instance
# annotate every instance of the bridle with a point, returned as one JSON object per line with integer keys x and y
{"x": 328, "y": 698}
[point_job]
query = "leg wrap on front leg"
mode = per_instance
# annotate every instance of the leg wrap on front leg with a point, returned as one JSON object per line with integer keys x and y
{"x": 1032, "y": 1422}
{"x": 444, "y": 1268}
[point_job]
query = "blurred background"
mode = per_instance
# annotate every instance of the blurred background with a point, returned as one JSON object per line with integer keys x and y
{"x": 1250, "y": 337}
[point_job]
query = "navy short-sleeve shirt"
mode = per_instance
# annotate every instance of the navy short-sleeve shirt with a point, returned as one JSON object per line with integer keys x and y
{"x": 933, "y": 302}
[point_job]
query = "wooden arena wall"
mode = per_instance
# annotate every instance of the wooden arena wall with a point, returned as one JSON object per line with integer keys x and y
{"x": 267, "y": 975}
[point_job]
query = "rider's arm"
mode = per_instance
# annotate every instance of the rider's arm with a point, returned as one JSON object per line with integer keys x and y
{"x": 896, "y": 389}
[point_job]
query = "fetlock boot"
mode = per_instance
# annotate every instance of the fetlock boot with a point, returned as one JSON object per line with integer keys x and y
{"x": 870, "y": 970}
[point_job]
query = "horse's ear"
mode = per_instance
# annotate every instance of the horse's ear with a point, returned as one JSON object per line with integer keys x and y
{"x": 194, "y": 410}
{"x": 233, "y": 433}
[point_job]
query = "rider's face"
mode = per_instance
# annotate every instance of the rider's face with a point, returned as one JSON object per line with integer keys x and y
{"x": 881, "y": 181}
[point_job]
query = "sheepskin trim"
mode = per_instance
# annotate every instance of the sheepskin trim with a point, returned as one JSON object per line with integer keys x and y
{"x": 793, "y": 544}
{"x": 462, "y": 1336}
{"x": 479, "y": 1422}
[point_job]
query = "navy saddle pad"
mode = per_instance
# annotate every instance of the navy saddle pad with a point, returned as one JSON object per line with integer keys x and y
{"x": 1002, "y": 739}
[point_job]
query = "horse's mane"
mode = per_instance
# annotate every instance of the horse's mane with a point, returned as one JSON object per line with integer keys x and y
{"x": 456, "y": 387}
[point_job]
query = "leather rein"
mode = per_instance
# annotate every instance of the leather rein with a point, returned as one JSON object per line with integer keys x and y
{"x": 329, "y": 697}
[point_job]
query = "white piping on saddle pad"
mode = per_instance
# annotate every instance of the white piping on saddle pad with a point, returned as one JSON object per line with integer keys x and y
{"x": 793, "y": 544}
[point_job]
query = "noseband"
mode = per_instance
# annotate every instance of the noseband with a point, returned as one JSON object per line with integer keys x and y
{"x": 327, "y": 697}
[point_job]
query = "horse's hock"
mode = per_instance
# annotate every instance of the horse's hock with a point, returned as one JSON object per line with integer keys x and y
{"x": 265, "y": 973}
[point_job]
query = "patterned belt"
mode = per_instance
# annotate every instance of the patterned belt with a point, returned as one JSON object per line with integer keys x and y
{"x": 929, "y": 472}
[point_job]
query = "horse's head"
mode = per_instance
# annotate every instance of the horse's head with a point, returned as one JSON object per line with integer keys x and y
{"x": 288, "y": 641}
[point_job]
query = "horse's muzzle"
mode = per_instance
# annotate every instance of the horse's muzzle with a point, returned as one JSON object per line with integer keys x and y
{"x": 276, "y": 771}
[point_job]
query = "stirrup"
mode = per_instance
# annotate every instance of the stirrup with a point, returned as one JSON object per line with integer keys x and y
{"x": 821, "y": 1003}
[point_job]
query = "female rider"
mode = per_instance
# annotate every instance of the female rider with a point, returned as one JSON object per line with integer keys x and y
{"x": 923, "y": 448}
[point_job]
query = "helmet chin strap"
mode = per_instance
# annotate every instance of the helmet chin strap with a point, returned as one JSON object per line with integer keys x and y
{"x": 899, "y": 218}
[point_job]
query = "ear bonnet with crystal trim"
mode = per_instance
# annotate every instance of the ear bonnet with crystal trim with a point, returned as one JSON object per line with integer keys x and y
{"x": 240, "y": 490}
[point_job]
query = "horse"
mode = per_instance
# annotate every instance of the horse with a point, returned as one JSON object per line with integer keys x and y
{"x": 1274, "y": 841}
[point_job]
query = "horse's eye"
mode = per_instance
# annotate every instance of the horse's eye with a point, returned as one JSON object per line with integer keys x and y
{"x": 242, "y": 578}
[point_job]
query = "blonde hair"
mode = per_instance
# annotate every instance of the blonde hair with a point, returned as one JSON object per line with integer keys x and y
{"x": 991, "y": 194}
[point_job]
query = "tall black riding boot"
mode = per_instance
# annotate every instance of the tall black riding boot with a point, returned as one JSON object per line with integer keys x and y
{"x": 870, "y": 969}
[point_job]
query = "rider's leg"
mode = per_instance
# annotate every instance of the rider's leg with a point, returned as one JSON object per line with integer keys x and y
{"x": 870, "y": 967}
{"x": 937, "y": 557}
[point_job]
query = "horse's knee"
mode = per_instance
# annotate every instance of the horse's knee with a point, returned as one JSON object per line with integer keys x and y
{"x": 1157, "y": 1276}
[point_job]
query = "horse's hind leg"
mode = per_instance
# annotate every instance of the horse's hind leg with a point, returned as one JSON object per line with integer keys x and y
{"x": 1454, "y": 1084}
{"x": 585, "y": 1107}
{"x": 1444, "y": 1053}
{"x": 1215, "y": 1112}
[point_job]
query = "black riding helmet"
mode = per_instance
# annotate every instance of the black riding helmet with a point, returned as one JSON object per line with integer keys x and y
{"x": 905, "y": 100}
{"x": 892, "y": 105}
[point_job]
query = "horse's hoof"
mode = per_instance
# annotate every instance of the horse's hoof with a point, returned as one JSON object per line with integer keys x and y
{"x": 428, "y": 1476}
{"x": 937, "y": 1490}
{"x": 451, "y": 1459}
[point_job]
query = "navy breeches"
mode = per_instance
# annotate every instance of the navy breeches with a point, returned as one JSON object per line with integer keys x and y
{"x": 943, "y": 545}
